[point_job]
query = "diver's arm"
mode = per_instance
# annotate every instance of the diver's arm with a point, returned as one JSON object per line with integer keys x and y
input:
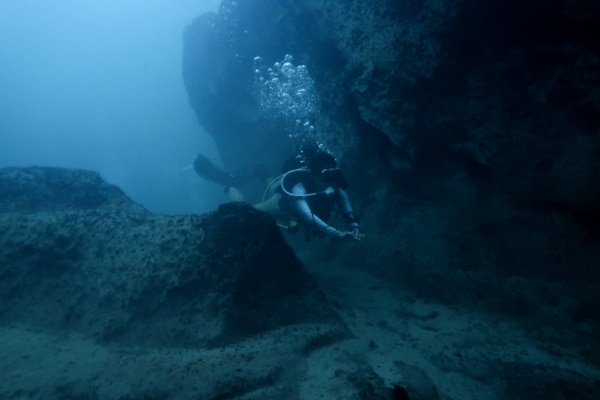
{"x": 343, "y": 202}
{"x": 304, "y": 213}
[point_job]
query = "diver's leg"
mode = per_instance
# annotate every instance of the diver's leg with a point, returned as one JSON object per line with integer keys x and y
{"x": 207, "y": 170}
{"x": 271, "y": 206}
{"x": 235, "y": 194}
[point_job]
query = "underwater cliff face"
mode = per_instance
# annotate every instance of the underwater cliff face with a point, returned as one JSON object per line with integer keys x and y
{"x": 468, "y": 130}
{"x": 502, "y": 92}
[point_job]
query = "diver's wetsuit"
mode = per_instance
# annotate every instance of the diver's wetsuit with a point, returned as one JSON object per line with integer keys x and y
{"x": 312, "y": 211}
{"x": 306, "y": 197}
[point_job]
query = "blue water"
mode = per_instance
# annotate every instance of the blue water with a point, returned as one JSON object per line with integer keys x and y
{"x": 97, "y": 85}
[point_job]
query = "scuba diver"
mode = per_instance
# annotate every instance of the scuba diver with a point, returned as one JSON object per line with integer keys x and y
{"x": 305, "y": 194}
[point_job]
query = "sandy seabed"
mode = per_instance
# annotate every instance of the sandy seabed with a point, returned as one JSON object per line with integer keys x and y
{"x": 435, "y": 351}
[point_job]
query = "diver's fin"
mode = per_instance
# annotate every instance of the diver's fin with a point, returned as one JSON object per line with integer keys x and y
{"x": 207, "y": 170}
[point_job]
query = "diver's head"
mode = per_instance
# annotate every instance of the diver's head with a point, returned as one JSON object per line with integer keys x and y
{"x": 321, "y": 160}
{"x": 323, "y": 168}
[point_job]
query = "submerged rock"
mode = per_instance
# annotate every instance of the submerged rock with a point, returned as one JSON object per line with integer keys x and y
{"x": 76, "y": 254}
{"x": 36, "y": 189}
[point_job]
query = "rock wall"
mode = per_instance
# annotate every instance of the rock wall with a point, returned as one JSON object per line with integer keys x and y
{"x": 76, "y": 254}
{"x": 468, "y": 129}
{"x": 447, "y": 85}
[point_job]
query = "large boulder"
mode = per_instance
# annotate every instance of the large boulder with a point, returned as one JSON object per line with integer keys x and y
{"x": 76, "y": 254}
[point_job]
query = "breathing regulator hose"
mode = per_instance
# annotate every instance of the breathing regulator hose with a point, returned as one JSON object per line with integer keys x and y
{"x": 281, "y": 180}
{"x": 298, "y": 196}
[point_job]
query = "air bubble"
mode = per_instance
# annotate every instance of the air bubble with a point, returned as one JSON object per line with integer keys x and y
{"x": 286, "y": 93}
{"x": 288, "y": 69}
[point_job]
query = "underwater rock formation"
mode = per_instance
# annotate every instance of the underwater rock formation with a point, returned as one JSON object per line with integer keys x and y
{"x": 432, "y": 89}
{"x": 76, "y": 254}
{"x": 467, "y": 129}
{"x": 101, "y": 299}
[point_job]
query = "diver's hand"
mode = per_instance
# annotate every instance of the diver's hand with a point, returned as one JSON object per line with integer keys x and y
{"x": 353, "y": 234}
{"x": 357, "y": 235}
